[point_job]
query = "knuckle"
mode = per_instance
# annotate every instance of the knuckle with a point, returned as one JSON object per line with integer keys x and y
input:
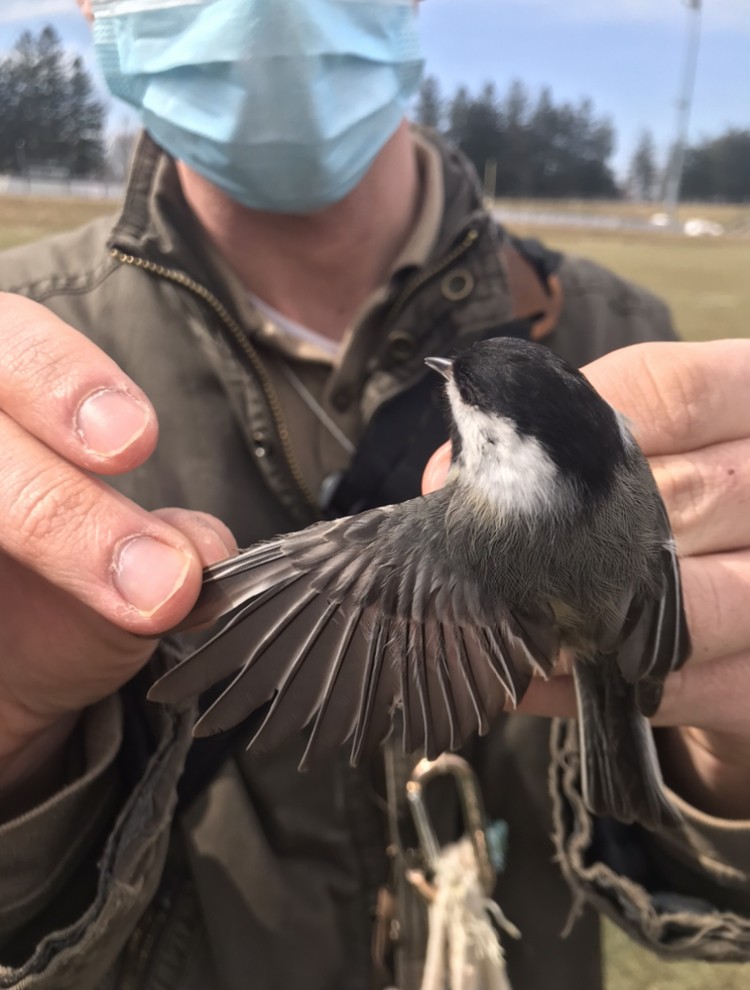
{"x": 712, "y": 605}
{"x": 676, "y": 391}
{"x": 687, "y": 485}
{"x": 33, "y": 369}
{"x": 692, "y": 400}
{"x": 49, "y": 507}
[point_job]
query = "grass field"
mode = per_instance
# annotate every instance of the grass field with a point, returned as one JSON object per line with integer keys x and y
{"x": 707, "y": 284}
{"x": 23, "y": 220}
{"x": 705, "y": 281}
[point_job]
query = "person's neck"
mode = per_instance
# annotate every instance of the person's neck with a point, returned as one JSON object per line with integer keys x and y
{"x": 317, "y": 269}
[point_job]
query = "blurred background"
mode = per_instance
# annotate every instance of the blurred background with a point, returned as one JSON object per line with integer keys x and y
{"x": 617, "y": 130}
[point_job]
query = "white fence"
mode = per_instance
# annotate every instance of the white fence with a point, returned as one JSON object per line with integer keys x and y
{"x": 14, "y": 185}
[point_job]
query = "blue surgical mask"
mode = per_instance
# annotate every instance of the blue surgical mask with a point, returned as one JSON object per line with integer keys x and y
{"x": 283, "y": 104}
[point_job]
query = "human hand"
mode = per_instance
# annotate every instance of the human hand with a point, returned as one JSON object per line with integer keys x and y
{"x": 88, "y": 579}
{"x": 689, "y": 408}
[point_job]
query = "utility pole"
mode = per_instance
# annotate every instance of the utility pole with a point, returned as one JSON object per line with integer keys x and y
{"x": 684, "y": 104}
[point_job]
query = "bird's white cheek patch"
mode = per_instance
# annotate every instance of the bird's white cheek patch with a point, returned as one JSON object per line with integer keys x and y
{"x": 512, "y": 472}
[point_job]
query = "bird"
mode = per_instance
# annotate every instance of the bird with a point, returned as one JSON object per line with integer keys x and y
{"x": 548, "y": 539}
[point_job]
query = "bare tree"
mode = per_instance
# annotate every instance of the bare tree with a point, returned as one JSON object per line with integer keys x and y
{"x": 120, "y": 153}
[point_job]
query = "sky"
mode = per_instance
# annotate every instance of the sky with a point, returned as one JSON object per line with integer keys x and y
{"x": 626, "y": 55}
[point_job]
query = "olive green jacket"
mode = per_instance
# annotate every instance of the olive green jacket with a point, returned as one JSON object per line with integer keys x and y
{"x": 269, "y": 878}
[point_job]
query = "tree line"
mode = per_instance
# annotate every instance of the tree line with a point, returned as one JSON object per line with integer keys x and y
{"x": 715, "y": 169}
{"x": 535, "y": 147}
{"x": 527, "y": 145}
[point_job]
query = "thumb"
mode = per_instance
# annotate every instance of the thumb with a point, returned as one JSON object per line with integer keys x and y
{"x": 436, "y": 471}
{"x": 211, "y": 538}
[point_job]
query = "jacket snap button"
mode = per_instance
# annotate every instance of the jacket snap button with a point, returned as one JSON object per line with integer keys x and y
{"x": 342, "y": 398}
{"x": 261, "y": 445}
{"x": 457, "y": 285}
{"x": 401, "y": 346}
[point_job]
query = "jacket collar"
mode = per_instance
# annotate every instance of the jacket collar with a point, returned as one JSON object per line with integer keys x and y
{"x": 460, "y": 291}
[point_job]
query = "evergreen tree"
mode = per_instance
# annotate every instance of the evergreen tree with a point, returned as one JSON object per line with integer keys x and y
{"x": 49, "y": 114}
{"x": 513, "y": 173}
{"x": 457, "y": 112}
{"x": 84, "y": 123}
{"x": 719, "y": 168}
{"x": 478, "y": 127}
{"x": 429, "y": 110}
{"x": 643, "y": 173}
{"x": 542, "y": 149}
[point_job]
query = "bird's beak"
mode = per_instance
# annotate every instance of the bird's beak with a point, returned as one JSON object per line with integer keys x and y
{"x": 441, "y": 365}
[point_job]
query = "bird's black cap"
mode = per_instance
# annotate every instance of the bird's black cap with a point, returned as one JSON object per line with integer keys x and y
{"x": 548, "y": 399}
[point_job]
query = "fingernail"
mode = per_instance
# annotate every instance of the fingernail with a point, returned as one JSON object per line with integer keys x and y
{"x": 147, "y": 572}
{"x": 218, "y": 536}
{"x": 109, "y": 420}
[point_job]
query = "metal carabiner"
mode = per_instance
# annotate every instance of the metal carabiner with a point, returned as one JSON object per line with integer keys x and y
{"x": 471, "y": 804}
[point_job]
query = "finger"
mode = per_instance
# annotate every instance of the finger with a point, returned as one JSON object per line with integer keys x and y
{"x": 717, "y": 592}
{"x": 128, "y": 565}
{"x": 62, "y": 389}
{"x": 707, "y": 494}
{"x": 555, "y": 698}
{"x": 436, "y": 470}
{"x": 708, "y": 696}
{"x": 679, "y": 397}
{"x": 210, "y": 537}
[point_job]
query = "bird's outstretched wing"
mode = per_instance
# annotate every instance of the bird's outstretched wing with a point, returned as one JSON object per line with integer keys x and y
{"x": 334, "y": 627}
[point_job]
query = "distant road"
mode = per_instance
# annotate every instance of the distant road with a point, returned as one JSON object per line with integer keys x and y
{"x": 539, "y": 218}
{"x": 11, "y": 185}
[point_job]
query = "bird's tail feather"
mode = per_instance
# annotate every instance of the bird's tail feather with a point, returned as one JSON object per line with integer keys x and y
{"x": 621, "y": 776}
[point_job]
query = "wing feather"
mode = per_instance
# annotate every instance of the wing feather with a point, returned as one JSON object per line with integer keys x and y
{"x": 373, "y": 671}
{"x": 655, "y": 635}
{"x": 226, "y": 651}
{"x": 333, "y": 628}
{"x": 322, "y": 738}
{"x": 470, "y": 685}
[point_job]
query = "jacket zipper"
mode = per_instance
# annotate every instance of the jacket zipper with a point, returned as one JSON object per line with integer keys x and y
{"x": 235, "y": 330}
{"x": 230, "y": 324}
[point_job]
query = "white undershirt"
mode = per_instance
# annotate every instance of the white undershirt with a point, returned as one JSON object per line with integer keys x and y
{"x": 295, "y": 330}
{"x": 324, "y": 345}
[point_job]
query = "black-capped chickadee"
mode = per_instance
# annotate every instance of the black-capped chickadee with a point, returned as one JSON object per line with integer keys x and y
{"x": 549, "y": 533}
